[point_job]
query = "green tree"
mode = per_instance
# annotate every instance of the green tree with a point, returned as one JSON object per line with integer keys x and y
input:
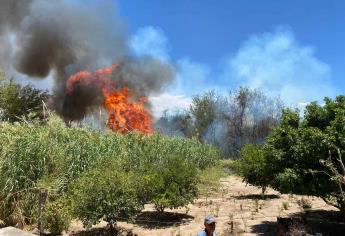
{"x": 105, "y": 193}
{"x": 172, "y": 183}
{"x": 203, "y": 110}
{"x": 18, "y": 102}
{"x": 254, "y": 166}
{"x": 307, "y": 154}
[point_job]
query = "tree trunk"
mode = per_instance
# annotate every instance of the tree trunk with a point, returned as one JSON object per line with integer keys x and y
{"x": 112, "y": 229}
{"x": 263, "y": 190}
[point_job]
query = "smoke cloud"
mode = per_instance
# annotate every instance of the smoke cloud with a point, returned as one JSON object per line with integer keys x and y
{"x": 59, "y": 38}
{"x": 145, "y": 76}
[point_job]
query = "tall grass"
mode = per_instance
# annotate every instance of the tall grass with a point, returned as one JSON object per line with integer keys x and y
{"x": 53, "y": 155}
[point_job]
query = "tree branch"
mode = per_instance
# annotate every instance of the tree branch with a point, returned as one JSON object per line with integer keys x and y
{"x": 330, "y": 203}
{"x": 341, "y": 161}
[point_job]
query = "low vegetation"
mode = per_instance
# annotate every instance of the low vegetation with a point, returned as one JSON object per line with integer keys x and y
{"x": 94, "y": 176}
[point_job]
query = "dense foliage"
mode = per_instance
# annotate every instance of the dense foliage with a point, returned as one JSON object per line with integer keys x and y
{"x": 304, "y": 156}
{"x": 19, "y": 102}
{"x": 254, "y": 166}
{"x": 173, "y": 183}
{"x": 105, "y": 193}
{"x": 92, "y": 175}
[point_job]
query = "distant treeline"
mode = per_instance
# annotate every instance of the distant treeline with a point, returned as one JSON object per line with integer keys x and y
{"x": 228, "y": 122}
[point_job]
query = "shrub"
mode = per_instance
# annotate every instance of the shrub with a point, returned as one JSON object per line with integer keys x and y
{"x": 56, "y": 217}
{"x": 285, "y": 205}
{"x": 305, "y": 204}
{"x": 105, "y": 194}
{"x": 18, "y": 102}
{"x": 254, "y": 167}
{"x": 172, "y": 183}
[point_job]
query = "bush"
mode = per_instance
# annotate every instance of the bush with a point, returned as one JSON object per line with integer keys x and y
{"x": 305, "y": 204}
{"x": 105, "y": 194}
{"x": 285, "y": 205}
{"x": 56, "y": 217}
{"x": 172, "y": 183}
{"x": 254, "y": 167}
{"x": 18, "y": 102}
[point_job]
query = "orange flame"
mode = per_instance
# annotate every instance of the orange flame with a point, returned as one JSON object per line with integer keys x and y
{"x": 124, "y": 113}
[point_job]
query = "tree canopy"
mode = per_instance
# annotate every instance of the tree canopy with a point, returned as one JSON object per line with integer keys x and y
{"x": 305, "y": 155}
{"x": 19, "y": 102}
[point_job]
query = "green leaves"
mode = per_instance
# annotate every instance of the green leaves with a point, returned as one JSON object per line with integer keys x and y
{"x": 18, "y": 102}
{"x": 203, "y": 109}
{"x": 302, "y": 156}
{"x": 175, "y": 180}
{"x": 254, "y": 166}
{"x": 105, "y": 193}
{"x": 299, "y": 148}
{"x": 97, "y": 175}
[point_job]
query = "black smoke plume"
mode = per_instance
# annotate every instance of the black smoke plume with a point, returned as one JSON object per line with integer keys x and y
{"x": 59, "y": 38}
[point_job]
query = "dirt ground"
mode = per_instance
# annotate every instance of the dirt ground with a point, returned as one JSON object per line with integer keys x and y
{"x": 239, "y": 210}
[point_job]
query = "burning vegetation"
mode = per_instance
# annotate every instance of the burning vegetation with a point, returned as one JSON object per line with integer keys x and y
{"x": 58, "y": 40}
{"x": 125, "y": 112}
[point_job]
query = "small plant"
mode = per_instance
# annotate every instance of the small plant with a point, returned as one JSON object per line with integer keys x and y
{"x": 216, "y": 210}
{"x": 187, "y": 209}
{"x": 256, "y": 205}
{"x": 252, "y": 215}
{"x": 224, "y": 191}
{"x": 57, "y": 217}
{"x": 174, "y": 230}
{"x": 231, "y": 222}
{"x": 304, "y": 203}
{"x": 285, "y": 205}
{"x": 298, "y": 229}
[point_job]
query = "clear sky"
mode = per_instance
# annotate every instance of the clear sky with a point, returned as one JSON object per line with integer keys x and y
{"x": 295, "y": 49}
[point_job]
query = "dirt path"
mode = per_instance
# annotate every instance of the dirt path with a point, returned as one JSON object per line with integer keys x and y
{"x": 237, "y": 203}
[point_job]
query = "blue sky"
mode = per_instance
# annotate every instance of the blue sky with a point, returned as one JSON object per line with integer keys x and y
{"x": 294, "y": 49}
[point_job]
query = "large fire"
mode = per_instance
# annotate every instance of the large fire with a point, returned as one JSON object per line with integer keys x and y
{"x": 125, "y": 113}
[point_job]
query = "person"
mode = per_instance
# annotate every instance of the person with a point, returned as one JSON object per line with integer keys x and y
{"x": 210, "y": 226}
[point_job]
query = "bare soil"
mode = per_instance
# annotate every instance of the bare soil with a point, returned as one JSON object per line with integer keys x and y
{"x": 239, "y": 209}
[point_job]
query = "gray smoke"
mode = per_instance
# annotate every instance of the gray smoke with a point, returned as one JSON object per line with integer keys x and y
{"x": 12, "y": 12}
{"x": 144, "y": 76}
{"x": 59, "y": 38}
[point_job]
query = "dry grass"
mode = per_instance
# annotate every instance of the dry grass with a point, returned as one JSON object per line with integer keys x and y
{"x": 240, "y": 210}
